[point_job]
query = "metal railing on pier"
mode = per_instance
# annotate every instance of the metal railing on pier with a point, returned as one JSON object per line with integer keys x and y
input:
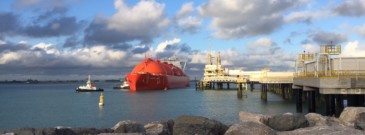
{"x": 332, "y": 74}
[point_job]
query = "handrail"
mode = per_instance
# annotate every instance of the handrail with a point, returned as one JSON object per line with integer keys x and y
{"x": 332, "y": 74}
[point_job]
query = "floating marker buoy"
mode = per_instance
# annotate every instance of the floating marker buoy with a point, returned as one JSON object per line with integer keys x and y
{"x": 101, "y": 102}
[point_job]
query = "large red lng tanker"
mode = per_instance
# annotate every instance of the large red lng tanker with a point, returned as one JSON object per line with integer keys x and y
{"x": 156, "y": 75}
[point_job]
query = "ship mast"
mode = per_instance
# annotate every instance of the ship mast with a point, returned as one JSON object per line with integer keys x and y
{"x": 88, "y": 83}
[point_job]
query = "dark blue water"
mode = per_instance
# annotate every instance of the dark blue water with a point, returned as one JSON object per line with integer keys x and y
{"x": 51, "y": 105}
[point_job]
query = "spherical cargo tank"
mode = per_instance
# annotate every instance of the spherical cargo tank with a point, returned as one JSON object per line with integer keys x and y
{"x": 152, "y": 74}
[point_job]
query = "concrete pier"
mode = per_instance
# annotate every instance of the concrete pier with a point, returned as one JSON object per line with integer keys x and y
{"x": 298, "y": 99}
{"x": 336, "y": 79}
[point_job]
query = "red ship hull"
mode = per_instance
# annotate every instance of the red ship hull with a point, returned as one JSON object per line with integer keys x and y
{"x": 148, "y": 81}
{"x": 155, "y": 75}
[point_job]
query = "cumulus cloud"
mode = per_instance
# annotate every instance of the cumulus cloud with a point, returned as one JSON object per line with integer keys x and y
{"x": 311, "y": 48}
{"x": 353, "y": 49}
{"x": 161, "y": 46}
{"x": 2, "y": 42}
{"x": 189, "y": 24}
{"x": 322, "y": 37}
{"x": 23, "y": 42}
{"x": 56, "y": 27}
{"x": 258, "y": 54}
{"x": 262, "y": 53}
{"x": 140, "y": 49}
{"x": 45, "y": 4}
{"x": 9, "y": 23}
{"x": 361, "y": 30}
{"x": 25, "y": 3}
{"x": 146, "y": 16}
{"x": 186, "y": 21}
{"x": 186, "y": 9}
{"x": 174, "y": 47}
{"x": 350, "y": 8}
{"x": 47, "y": 48}
{"x": 307, "y": 16}
{"x": 71, "y": 42}
{"x": 51, "y": 13}
{"x": 49, "y": 59}
{"x": 99, "y": 56}
{"x": 319, "y": 37}
{"x": 199, "y": 58}
{"x": 278, "y": 61}
{"x": 8, "y": 56}
{"x": 262, "y": 42}
{"x": 292, "y": 35}
{"x": 51, "y": 23}
{"x": 141, "y": 22}
{"x": 254, "y": 61}
{"x": 96, "y": 32}
{"x": 263, "y": 46}
{"x": 11, "y": 47}
{"x": 237, "y": 19}
{"x": 23, "y": 54}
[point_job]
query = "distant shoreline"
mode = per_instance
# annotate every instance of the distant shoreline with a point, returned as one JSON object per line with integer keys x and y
{"x": 56, "y": 81}
{"x": 51, "y": 81}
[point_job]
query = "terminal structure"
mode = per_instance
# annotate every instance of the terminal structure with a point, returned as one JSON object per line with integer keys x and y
{"x": 335, "y": 78}
{"x": 215, "y": 76}
{"x": 320, "y": 79}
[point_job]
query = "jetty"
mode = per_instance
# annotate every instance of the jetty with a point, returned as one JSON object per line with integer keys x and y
{"x": 217, "y": 77}
{"x": 319, "y": 78}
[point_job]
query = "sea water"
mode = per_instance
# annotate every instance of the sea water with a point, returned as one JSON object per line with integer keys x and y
{"x": 57, "y": 104}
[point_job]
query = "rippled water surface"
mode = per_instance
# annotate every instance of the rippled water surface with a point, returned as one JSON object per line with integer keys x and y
{"x": 50, "y": 105}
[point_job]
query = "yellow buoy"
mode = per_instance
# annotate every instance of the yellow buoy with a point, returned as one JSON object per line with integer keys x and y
{"x": 101, "y": 102}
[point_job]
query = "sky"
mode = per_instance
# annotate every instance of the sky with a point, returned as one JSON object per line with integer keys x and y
{"x": 69, "y": 39}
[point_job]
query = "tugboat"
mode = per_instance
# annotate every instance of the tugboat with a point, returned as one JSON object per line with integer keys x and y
{"x": 124, "y": 85}
{"x": 89, "y": 87}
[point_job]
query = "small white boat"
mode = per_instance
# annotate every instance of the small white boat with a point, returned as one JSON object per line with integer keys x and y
{"x": 89, "y": 87}
{"x": 124, "y": 85}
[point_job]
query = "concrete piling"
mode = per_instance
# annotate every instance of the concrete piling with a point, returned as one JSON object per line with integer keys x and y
{"x": 264, "y": 88}
{"x": 299, "y": 107}
{"x": 311, "y": 101}
{"x": 239, "y": 90}
{"x": 339, "y": 104}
